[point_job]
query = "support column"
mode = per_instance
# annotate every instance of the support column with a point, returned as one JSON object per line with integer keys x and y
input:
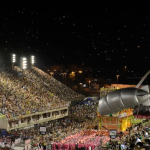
{"x": 67, "y": 111}
{"x": 59, "y": 112}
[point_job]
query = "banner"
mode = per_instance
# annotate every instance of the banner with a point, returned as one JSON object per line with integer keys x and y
{"x": 27, "y": 144}
{"x": 43, "y": 130}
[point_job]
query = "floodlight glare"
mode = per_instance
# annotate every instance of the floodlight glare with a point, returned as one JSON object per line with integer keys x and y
{"x": 32, "y": 60}
{"x": 23, "y": 63}
{"x": 13, "y": 58}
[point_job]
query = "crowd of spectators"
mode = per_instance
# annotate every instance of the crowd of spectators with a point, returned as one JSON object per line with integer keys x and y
{"x": 81, "y": 118}
{"x": 104, "y": 91}
{"x": 88, "y": 110}
{"x": 55, "y": 86}
{"x": 31, "y": 91}
{"x": 56, "y": 130}
{"x": 138, "y": 139}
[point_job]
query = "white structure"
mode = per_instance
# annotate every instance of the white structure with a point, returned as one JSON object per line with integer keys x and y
{"x": 30, "y": 119}
{"x": 23, "y": 63}
{"x": 32, "y": 60}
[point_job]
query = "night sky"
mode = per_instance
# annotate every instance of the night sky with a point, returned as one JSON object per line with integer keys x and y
{"x": 89, "y": 33}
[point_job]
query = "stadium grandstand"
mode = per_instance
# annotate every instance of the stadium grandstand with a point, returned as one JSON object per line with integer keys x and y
{"x": 31, "y": 96}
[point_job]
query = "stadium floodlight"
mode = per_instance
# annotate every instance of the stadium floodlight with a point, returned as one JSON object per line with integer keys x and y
{"x": 23, "y": 63}
{"x": 32, "y": 59}
{"x": 13, "y": 58}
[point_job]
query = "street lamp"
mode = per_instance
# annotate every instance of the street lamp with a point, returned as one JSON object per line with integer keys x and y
{"x": 64, "y": 76}
{"x": 13, "y": 59}
{"x": 51, "y": 73}
{"x": 32, "y": 60}
{"x": 23, "y": 63}
{"x": 89, "y": 83}
{"x": 117, "y": 79}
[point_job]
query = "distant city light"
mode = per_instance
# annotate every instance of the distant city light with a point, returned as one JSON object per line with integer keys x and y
{"x": 84, "y": 85}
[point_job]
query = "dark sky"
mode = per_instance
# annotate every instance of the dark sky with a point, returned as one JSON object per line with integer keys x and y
{"x": 89, "y": 32}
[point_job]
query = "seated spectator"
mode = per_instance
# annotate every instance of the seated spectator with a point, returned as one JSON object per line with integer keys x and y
{"x": 26, "y": 94}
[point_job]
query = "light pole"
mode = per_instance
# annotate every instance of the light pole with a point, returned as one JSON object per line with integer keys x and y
{"x": 117, "y": 79}
{"x": 64, "y": 77}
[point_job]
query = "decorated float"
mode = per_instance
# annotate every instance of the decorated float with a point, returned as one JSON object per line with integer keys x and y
{"x": 119, "y": 121}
